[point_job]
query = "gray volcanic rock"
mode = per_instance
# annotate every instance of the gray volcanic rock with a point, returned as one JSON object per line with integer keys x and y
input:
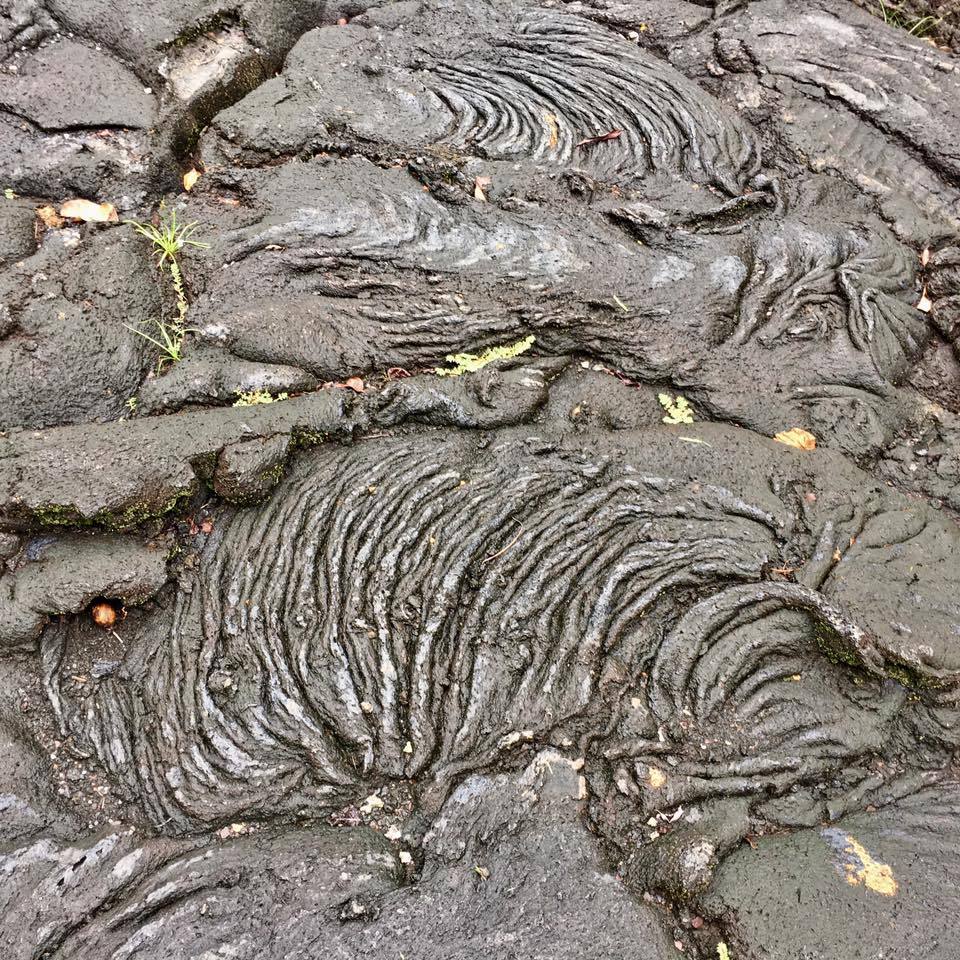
{"x": 381, "y": 615}
{"x": 381, "y": 85}
{"x": 69, "y": 355}
{"x": 67, "y": 85}
{"x": 336, "y": 891}
{"x": 120, "y": 891}
{"x": 63, "y": 574}
{"x": 861, "y": 889}
{"x": 121, "y": 475}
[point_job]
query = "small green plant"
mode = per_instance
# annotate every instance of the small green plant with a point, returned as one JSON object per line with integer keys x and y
{"x": 132, "y": 403}
{"x": 678, "y": 409}
{"x": 168, "y": 340}
{"x": 919, "y": 27}
{"x": 9, "y": 194}
{"x": 722, "y": 952}
{"x": 471, "y": 362}
{"x": 254, "y": 397}
{"x": 169, "y": 239}
{"x": 923, "y": 26}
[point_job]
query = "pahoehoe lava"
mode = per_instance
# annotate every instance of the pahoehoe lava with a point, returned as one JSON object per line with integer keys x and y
{"x": 544, "y": 540}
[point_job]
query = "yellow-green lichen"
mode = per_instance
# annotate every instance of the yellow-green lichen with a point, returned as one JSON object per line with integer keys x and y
{"x": 253, "y": 398}
{"x": 471, "y": 362}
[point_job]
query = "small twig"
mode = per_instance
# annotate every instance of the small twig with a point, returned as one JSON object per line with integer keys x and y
{"x": 602, "y": 138}
{"x": 500, "y": 553}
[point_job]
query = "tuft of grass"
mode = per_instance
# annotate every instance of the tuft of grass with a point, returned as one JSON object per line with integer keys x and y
{"x": 919, "y": 27}
{"x": 168, "y": 340}
{"x": 169, "y": 239}
{"x": 254, "y": 397}
{"x": 471, "y": 362}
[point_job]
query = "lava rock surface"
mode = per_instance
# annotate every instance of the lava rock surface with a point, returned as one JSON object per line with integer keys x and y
{"x": 545, "y": 543}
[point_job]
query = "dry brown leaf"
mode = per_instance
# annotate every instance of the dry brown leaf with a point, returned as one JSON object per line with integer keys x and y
{"x": 190, "y": 178}
{"x": 801, "y": 439}
{"x": 925, "y": 256}
{"x": 88, "y": 211}
{"x": 49, "y": 217}
{"x": 355, "y": 384}
{"x": 925, "y": 302}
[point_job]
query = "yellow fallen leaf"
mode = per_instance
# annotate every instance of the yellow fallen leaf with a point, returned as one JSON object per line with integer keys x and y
{"x": 801, "y": 439}
{"x": 49, "y": 217}
{"x": 88, "y": 211}
{"x": 656, "y": 777}
{"x": 190, "y": 178}
{"x": 553, "y": 128}
{"x": 480, "y": 186}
